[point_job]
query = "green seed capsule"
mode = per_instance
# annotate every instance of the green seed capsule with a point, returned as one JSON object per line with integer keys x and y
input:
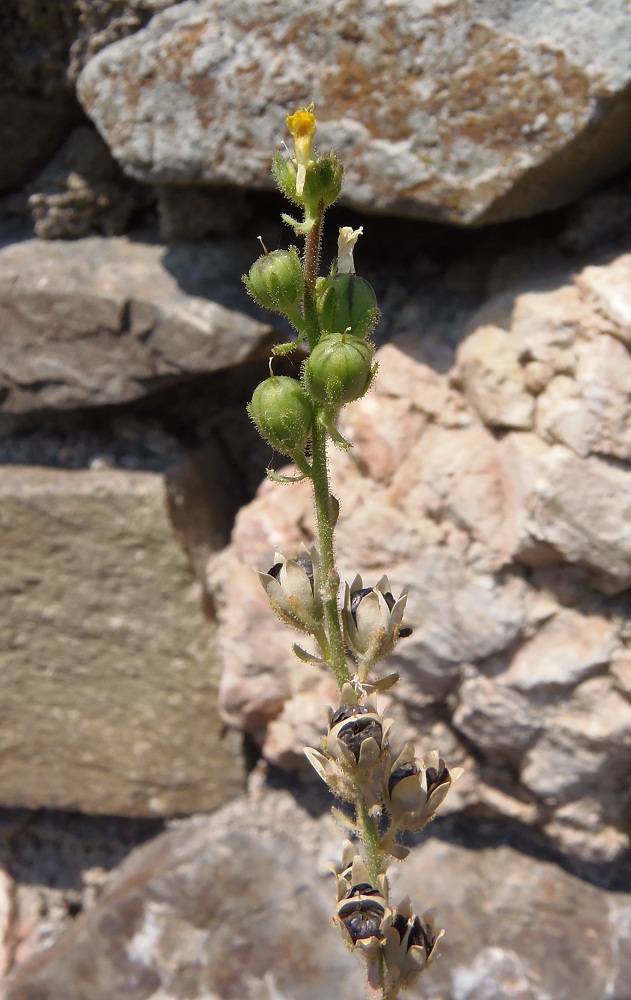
{"x": 323, "y": 181}
{"x": 282, "y": 413}
{"x": 276, "y": 280}
{"x": 349, "y": 302}
{"x": 339, "y": 369}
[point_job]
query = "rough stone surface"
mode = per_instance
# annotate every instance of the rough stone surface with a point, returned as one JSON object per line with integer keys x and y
{"x": 37, "y": 105}
{"x": 105, "y": 321}
{"x": 518, "y": 552}
{"x": 109, "y": 673}
{"x": 462, "y": 112}
{"x": 81, "y": 191}
{"x": 237, "y": 906}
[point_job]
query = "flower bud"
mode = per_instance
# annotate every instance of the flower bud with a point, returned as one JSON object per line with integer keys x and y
{"x": 276, "y": 280}
{"x": 339, "y": 370}
{"x": 282, "y": 414}
{"x": 348, "y": 303}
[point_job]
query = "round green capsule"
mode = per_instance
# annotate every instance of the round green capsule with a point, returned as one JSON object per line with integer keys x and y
{"x": 282, "y": 413}
{"x": 348, "y": 302}
{"x": 276, "y": 280}
{"x": 339, "y": 369}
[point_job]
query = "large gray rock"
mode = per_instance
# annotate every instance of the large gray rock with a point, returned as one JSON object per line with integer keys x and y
{"x": 237, "y": 906}
{"x": 470, "y": 113}
{"x": 99, "y": 321}
{"x": 514, "y": 536}
{"x": 108, "y": 667}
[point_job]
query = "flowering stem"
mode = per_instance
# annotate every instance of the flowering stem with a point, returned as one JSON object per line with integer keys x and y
{"x": 319, "y": 472}
{"x": 370, "y": 838}
{"x": 330, "y": 581}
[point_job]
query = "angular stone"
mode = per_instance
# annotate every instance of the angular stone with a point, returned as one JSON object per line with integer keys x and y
{"x": 493, "y": 378}
{"x": 591, "y": 413}
{"x": 609, "y": 288}
{"x": 235, "y": 905}
{"x": 481, "y": 115}
{"x": 109, "y": 672}
{"x": 103, "y": 321}
{"x": 565, "y": 650}
{"x": 81, "y": 191}
{"x": 566, "y": 508}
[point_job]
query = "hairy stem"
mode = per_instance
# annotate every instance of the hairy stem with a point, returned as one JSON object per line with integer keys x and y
{"x": 330, "y": 581}
{"x": 370, "y": 839}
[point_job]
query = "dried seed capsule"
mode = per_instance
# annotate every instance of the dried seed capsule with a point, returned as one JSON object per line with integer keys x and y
{"x": 339, "y": 370}
{"x": 282, "y": 413}
{"x": 276, "y": 280}
{"x": 349, "y": 303}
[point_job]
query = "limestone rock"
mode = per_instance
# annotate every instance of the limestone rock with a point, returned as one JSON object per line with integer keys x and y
{"x": 109, "y": 673}
{"x": 236, "y": 906}
{"x": 465, "y": 114}
{"x": 102, "y": 321}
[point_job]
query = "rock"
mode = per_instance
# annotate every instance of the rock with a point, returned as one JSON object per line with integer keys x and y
{"x": 190, "y": 214}
{"x": 567, "y": 509}
{"x": 514, "y": 551}
{"x": 37, "y": 104}
{"x": 81, "y": 192}
{"x": 566, "y": 649}
{"x": 495, "y": 382}
{"x": 109, "y": 672}
{"x": 104, "y": 321}
{"x": 489, "y": 115}
{"x": 237, "y": 905}
{"x": 102, "y": 22}
{"x": 31, "y": 130}
{"x": 608, "y": 289}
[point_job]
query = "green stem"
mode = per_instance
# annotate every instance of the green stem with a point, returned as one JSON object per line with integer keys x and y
{"x": 330, "y": 581}
{"x": 370, "y": 839}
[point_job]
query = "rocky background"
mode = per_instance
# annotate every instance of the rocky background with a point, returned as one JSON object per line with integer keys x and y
{"x": 149, "y": 699}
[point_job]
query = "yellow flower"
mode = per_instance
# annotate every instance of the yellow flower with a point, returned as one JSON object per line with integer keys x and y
{"x": 302, "y": 125}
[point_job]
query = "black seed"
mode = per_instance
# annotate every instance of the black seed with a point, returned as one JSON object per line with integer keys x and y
{"x": 400, "y": 924}
{"x": 436, "y": 776}
{"x": 354, "y": 732}
{"x": 357, "y": 597}
{"x": 362, "y": 889}
{"x": 401, "y": 772}
{"x": 305, "y": 564}
{"x": 389, "y": 599}
{"x": 362, "y": 919}
{"x": 347, "y": 712}
{"x": 405, "y": 632}
{"x": 418, "y": 935}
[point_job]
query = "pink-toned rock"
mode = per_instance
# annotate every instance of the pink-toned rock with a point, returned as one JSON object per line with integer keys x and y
{"x": 609, "y": 288}
{"x": 494, "y": 378}
{"x": 457, "y": 516}
{"x": 564, "y": 651}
